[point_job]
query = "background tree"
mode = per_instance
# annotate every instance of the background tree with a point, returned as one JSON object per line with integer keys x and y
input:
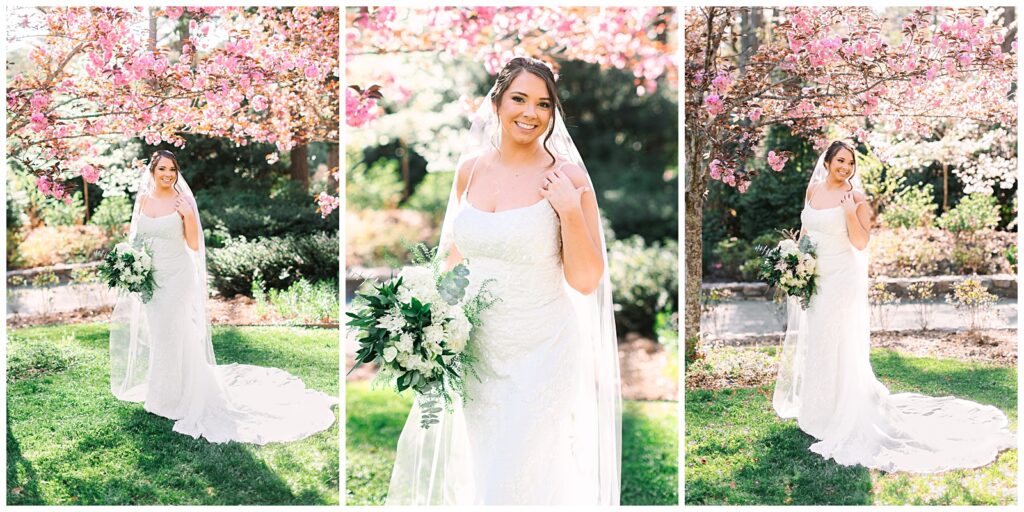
{"x": 249, "y": 75}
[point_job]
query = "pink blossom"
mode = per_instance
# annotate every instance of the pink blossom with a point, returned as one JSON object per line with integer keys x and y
{"x": 716, "y": 169}
{"x": 729, "y": 179}
{"x": 312, "y": 72}
{"x": 755, "y": 114}
{"x": 721, "y": 82}
{"x": 714, "y": 105}
{"x": 259, "y": 103}
{"x": 326, "y": 204}
{"x": 742, "y": 187}
{"x": 776, "y": 162}
{"x": 43, "y": 183}
{"x": 39, "y": 122}
{"x": 152, "y": 138}
{"x": 39, "y": 101}
{"x": 90, "y": 173}
{"x": 174, "y": 12}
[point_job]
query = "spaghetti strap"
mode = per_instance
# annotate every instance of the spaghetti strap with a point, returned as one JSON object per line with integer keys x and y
{"x": 465, "y": 191}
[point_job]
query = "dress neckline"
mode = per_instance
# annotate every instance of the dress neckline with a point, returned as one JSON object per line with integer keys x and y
{"x": 543, "y": 199}
{"x": 144, "y": 214}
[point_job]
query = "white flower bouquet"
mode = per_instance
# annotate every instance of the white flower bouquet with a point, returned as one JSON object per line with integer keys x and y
{"x": 791, "y": 267}
{"x": 418, "y": 329}
{"x": 129, "y": 267}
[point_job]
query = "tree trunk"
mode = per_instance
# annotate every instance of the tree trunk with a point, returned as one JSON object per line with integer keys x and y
{"x": 751, "y": 21}
{"x": 333, "y": 162}
{"x": 1010, "y": 22}
{"x": 695, "y": 188}
{"x": 85, "y": 195}
{"x": 152, "y": 29}
{"x": 945, "y": 187}
{"x": 299, "y": 167}
{"x": 406, "y": 178}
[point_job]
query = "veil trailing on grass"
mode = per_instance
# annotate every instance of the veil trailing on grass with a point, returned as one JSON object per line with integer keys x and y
{"x": 435, "y": 466}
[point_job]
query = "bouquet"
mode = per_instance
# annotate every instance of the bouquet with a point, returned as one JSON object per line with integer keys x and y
{"x": 418, "y": 328}
{"x": 790, "y": 266}
{"x": 129, "y": 267}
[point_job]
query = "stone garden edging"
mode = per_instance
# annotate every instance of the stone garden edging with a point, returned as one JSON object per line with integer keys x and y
{"x": 1001, "y": 285}
{"x": 63, "y": 271}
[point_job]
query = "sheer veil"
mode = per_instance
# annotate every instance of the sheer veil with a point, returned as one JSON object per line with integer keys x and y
{"x": 129, "y": 328}
{"x": 786, "y": 399}
{"x": 435, "y": 466}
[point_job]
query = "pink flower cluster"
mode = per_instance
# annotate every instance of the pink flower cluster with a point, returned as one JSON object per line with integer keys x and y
{"x": 326, "y": 203}
{"x": 776, "y": 162}
{"x": 713, "y": 104}
{"x": 359, "y": 108}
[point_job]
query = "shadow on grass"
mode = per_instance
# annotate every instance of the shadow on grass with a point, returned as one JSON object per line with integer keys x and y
{"x": 90, "y": 448}
{"x": 376, "y": 417}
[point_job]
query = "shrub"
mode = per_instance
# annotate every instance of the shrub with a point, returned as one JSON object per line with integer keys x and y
{"x": 302, "y": 302}
{"x": 732, "y": 253}
{"x": 929, "y": 252}
{"x": 375, "y": 187}
{"x": 381, "y": 237}
{"x": 974, "y": 213}
{"x": 972, "y": 301}
{"x": 431, "y": 195}
{"x": 923, "y": 292}
{"x": 645, "y": 281}
{"x": 112, "y": 213}
{"x": 278, "y": 261}
{"x": 912, "y": 208}
{"x": 30, "y": 358}
{"x": 59, "y": 213}
{"x": 880, "y": 299}
{"x": 251, "y": 213}
{"x": 750, "y": 268}
{"x": 45, "y": 246}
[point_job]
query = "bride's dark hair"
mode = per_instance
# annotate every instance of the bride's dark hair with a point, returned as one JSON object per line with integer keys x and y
{"x": 537, "y": 68}
{"x": 163, "y": 153}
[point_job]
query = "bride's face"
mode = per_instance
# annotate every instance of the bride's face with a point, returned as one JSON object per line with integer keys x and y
{"x": 525, "y": 109}
{"x": 165, "y": 173}
{"x": 841, "y": 167}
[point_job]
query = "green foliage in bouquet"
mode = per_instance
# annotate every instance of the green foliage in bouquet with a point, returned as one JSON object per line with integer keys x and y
{"x": 129, "y": 266}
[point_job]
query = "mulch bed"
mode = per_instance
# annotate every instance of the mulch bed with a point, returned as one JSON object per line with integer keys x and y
{"x": 641, "y": 368}
{"x": 238, "y": 310}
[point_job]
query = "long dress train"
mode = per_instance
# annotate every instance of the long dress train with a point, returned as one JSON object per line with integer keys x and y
{"x": 221, "y": 403}
{"x": 826, "y": 381}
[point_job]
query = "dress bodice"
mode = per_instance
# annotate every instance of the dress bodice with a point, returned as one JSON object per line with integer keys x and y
{"x": 827, "y": 229}
{"x": 165, "y": 235}
{"x": 519, "y": 248}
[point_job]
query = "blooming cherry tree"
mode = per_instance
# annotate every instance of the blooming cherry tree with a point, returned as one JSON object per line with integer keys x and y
{"x": 265, "y": 75}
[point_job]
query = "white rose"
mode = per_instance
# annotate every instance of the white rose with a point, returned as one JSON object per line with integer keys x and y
{"x": 390, "y": 353}
{"x": 418, "y": 282}
{"x": 405, "y": 343}
{"x": 458, "y": 333}
{"x": 433, "y": 333}
{"x": 787, "y": 247}
{"x": 810, "y": 264}
{"x": 122, "y": 248}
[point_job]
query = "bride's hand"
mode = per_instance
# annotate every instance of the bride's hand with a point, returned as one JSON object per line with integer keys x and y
{"x": 560, "y": 192}
{"x": 183, "y": 207}
{"x": 849, "y": 203}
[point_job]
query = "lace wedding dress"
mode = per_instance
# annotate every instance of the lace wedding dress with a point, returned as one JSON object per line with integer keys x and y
{"x": 530, "y": 433}
{"x": 179, "y": 378}
{"x": 826, "y": 381}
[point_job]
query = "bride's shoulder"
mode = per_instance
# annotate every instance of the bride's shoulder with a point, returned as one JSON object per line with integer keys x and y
{"x": 575, "y": 173}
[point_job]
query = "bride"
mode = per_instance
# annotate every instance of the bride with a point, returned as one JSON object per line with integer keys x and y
{"x": 161, "y": 353}
{"x": 825, "y": 378}
{"x": 542, "y": 423}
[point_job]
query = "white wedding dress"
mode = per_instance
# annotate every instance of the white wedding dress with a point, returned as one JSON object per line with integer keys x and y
{"x": 826, "y": 381}
{"x": 531, "y": 432}
{"x": 221, "y": 403}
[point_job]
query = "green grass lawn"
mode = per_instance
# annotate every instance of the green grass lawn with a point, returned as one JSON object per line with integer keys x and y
{"x": 650, "y": 448}
{"x": 739, "y": 452}
{"x": 69, "y": 441}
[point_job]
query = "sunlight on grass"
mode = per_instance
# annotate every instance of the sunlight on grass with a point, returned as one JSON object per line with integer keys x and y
{"x": 70, "y": 442}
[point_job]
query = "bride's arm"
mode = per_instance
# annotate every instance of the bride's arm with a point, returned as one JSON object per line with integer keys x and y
{"x": 582, "y": 260}
{"x": 858, "y": 219}
{"x": 187, "y": 209}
